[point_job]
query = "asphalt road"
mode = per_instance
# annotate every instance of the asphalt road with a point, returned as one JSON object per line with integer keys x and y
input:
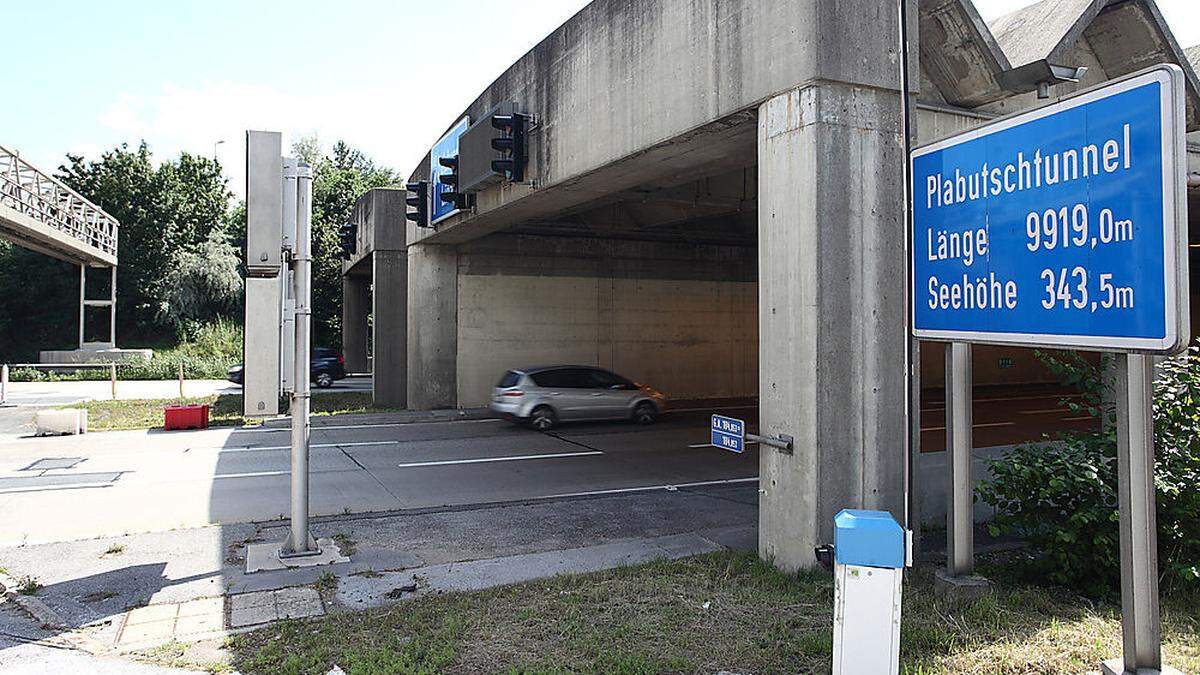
{"x": 60, "y": 489}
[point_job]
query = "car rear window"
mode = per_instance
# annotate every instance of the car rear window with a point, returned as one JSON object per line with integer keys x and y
{"x": 510, "y": 379}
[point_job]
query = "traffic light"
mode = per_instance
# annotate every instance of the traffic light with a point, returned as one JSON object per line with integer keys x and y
{"x": 450, "y": 180}
{"x": 348, "y": 234}
{"x": 511, "y": 146}
{"x": 418, "y": 200}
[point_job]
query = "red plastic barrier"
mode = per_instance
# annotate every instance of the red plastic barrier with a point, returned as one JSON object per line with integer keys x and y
{"x": 185, "y": 417}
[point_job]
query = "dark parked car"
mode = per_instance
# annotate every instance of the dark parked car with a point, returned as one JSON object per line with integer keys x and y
{"x": 326, "y": 367}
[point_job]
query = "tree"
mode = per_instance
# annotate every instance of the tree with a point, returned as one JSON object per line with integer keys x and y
{"x": 39, "y": 298}
{"x": 339, "y": 179}
{"x": 163, "y": 210}
{"x": 203, "y": 284}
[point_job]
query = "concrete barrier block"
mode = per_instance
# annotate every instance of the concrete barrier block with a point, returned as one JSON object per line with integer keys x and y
{"x": 61, "y": 422}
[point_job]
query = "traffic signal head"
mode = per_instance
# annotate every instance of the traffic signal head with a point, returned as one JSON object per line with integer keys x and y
{"x": 418, "y": 202}
{"x": 450, "y": 180}
{"x": 348, "y": 235}
{"x": 511, "y": 145}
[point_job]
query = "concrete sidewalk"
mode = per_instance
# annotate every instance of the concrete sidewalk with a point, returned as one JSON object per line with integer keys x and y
{"x": 135, "y": 592}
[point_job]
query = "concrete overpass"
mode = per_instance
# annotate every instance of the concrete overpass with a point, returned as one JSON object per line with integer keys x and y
{"x": 713, "y": 205}
{"x": 39, "y": 212}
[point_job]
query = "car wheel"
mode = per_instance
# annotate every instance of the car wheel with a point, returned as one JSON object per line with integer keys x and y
{"x": 324, "y": 380}
{"x": 645, "y": 413}
{"x": 543, "y": 418}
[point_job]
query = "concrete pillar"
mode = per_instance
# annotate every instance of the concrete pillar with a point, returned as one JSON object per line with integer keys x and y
{"x": 432, "y": 327}
{"x": 832, "y": 331}
{"x": 390, "y": 317}
{"x": 356, "y": 307}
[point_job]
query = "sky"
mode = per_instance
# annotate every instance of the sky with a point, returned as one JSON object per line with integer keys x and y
{"x": 193, "y": 75}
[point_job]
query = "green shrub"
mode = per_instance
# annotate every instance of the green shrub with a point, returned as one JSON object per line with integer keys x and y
{"x": 1061, "y": 498}
{"x": 207, "y": 353}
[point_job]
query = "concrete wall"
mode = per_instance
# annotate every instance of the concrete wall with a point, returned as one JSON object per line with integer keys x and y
{"x": 625, "y": 78}
{"x": 681, "y": 318}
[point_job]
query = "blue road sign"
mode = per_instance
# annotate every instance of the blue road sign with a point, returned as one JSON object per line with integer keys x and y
{"x": 447, "y": 146}
{"x": 1063, "y": 226}
{"x": 728, "y": 433}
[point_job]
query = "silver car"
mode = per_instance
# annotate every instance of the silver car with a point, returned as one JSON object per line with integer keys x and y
{"x": 543, "y": 397}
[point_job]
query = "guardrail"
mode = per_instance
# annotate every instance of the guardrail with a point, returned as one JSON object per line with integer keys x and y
{"x": 111, "y": 366}
{"x": 26, "y": 189}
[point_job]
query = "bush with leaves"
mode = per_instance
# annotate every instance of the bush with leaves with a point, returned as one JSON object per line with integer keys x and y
{"x": 1061, "y": 497}
{"x": 201, "y": 286}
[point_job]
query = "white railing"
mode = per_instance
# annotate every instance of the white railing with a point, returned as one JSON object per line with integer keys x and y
{"x": 45, "y": 199}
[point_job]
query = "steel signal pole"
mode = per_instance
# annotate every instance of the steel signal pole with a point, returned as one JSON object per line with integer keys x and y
{"x": 300, "y": 542}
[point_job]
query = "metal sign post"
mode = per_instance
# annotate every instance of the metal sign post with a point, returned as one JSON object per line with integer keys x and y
{"x": 280, "y": 191}
{"x": 300, "y": 541}
{"x": 1140, "y": 627}
{"x": 1064, "y": 226}
{"x": 960, "y": 530}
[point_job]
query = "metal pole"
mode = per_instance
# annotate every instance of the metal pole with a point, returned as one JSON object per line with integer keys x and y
{"x": 3, "y": 383}
{"x": 112, "y": 308}
{"x": 299, "y": 541}
{"x": 911, "y": 419}
{"x": 1140, "y": 626}
{"x": 82, "y": 300}
{"x": 180, "y": 378}
{"x": 960, "y": 523}
{"x": 112, "y": 378}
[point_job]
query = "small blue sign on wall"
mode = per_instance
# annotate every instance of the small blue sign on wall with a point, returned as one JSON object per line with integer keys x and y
{"x": 447, "y": 146}
{"x": 729, "y": 433}
{"x": 1064, "y": 226}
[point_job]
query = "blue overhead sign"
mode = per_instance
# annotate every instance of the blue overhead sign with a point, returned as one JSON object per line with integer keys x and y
{"x": 728, "y": 433}
{"x": 447, "y": 146}
{"x": 1065, "y": 226}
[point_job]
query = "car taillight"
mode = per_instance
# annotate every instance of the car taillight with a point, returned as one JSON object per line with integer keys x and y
{"x": 514, "y": 394}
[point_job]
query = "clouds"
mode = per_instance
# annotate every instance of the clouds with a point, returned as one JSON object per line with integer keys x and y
{"x": 195, "y": 118}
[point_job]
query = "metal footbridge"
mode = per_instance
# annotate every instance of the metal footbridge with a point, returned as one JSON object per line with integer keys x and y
{"x": 39, "y": 212}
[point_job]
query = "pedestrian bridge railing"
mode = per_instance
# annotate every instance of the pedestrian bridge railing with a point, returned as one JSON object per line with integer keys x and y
{"x": 46, "y": 200}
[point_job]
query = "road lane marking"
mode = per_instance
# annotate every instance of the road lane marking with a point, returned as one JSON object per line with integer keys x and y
{"x": 647, "y": 488}
{"x": 485, "y": 460}
{"x": 261, "y": 474}
{"x": 379, "y": 425}
{"x": 257, "y": 448}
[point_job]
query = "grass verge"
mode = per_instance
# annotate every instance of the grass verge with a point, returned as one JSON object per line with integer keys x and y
{"x": 725, "y": 611}
{"x": 224, "y": 410}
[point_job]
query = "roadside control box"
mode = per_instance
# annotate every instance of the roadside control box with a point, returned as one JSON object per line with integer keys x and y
{"x": 869, "y": 557}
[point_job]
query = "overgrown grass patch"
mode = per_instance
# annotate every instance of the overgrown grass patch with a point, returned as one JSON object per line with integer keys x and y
{"x": 224, "y": 410}
{"x": 725, "y": 611}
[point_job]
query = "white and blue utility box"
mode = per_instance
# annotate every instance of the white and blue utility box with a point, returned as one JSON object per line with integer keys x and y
{"x": 869, "y": 557}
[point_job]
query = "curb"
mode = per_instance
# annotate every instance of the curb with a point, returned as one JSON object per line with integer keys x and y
{"x": 49, "y": 618}
{"x": 404, "y": 417}
{"x": 32, "y": 606}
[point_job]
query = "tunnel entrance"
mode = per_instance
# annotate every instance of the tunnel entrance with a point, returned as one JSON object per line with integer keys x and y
{"x": 656, "y": 283}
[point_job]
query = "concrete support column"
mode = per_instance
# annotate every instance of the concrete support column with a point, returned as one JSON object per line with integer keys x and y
{"x": 390, "y": 317}
{"x": 831, "y": 311}
{"x": 432, "y": 327}
{"x": 356, "y": 308}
